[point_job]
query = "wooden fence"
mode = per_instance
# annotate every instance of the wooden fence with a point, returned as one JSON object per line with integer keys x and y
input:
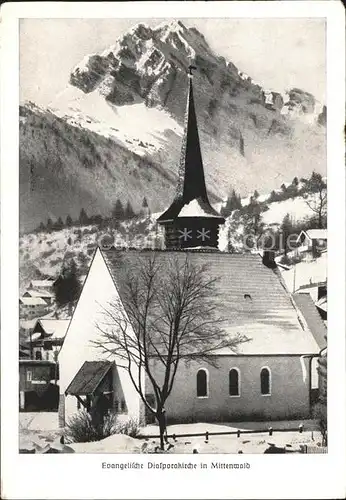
{"x": 313, "y": 449}
{"x": 238, "y": 433}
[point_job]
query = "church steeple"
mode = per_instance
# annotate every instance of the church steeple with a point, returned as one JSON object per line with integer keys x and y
{"x": 191, "y": 221}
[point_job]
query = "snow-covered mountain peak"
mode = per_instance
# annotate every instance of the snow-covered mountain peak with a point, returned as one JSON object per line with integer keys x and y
{"x": 170, "y": 26}
{"x": 115, "y": 130}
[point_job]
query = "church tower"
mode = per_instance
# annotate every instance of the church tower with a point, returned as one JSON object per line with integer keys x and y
{"x": 191, "y": 221}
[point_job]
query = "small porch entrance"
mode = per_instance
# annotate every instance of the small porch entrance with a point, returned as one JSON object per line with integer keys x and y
{"x": 93, "y": 387}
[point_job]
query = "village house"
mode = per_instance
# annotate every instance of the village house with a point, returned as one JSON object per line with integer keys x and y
{"x": 32, "y": 307}
{"x": 24, "y": 351}
{"x": 42, "y": 285}
{"x": 45, "y": 295}
{"x": 269, "y": 377}
{"x": 312, "y": 243}
{"x": 322, "y": 307}
{"x": 38, "y": 388}
{"x": 317, "y": 290}
{"x": 47, "y": 338}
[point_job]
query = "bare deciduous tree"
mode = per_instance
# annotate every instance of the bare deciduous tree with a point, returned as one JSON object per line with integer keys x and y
{"x": 167, "y": 313}
{"x": 316, "y": 197}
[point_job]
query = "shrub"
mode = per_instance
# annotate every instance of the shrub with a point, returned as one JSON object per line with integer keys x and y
{"x": 130, "y": 427}
{"x": 80, "y": 429}
{"x": 285, "y": 260}
{"x": 319, "y": 412}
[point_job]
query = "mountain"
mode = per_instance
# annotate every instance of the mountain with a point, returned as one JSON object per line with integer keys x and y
{"x": 115, "y": 130}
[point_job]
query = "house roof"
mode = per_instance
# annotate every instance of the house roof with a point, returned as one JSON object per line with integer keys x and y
{"x": 27, "y": 324}
{"x": 269, "y": 318}
{"x": 312, "y": 318}
{"x": 38, "y": 293}
{"x": 314, "y": 234}
{"x": 88, "y": 378}
{"x": 41, "y": 283}
{"x": 24, "y": 353}
{"x": 316, "y": 284}
{"x": 54, "y": 328}
{"x": 32, "y": 301}
{"x": 317, "y": 234}
{"x": 322, "y": 303}
{"x": 36, "y": 362}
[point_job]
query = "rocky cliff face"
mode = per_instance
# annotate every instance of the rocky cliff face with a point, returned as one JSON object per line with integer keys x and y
{"x": 129, "y": 101}
{"x": 150, "y": 64}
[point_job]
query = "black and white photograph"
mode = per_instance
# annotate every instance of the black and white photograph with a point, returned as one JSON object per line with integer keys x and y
{"x": 173, "y": 228}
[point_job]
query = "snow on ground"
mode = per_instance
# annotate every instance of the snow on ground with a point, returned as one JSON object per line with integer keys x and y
{"x": 246, "y": 200}
{"x": 93, "y": 112}
{"x": 39, "y": 421}
{"x": 38, "y": 429}
{"x": 117, "y": 443}
{"x": 304, "y": 273}
{"x": 295, "y": 207}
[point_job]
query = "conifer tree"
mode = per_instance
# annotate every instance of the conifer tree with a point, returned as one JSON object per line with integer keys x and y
{"x": 241, "y": 145}
{"x": 49, "y": 225}
{"x": 286, "y": 230}
{"x": 145, "y": 207}
{"x": 67, "y": 287}
{"x": 273, "y": 196}
{"x": 69, "y": 221}
{"x": 59, "y": 224}
{"x": 129, "y": 213}
{"x": 83, "y": 218}
{"x": 118, "y": 212}
{"x": 233, "y": 203}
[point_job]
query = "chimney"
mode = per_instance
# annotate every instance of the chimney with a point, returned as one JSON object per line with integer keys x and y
{"x": 268, "y": 259}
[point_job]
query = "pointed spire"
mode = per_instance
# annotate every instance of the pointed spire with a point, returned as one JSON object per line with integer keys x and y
{"x": 191, "y": 181}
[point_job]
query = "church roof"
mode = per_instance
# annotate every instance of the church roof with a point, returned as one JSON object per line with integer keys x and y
{"x": 312, "y": 317}
{"x": 88, "y": 378}
{"x": 191, "y": 181}
{"x": 252, "y": 299}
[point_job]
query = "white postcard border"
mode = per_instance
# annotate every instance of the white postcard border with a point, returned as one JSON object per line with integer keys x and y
{"x": 81, "y": 476}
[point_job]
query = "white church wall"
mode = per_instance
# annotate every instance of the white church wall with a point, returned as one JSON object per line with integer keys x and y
{"x": 98, "y": 292}
{"x": 288, "y": 399}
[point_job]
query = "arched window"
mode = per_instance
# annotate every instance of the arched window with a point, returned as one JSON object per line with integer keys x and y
{"x": 265, "y": 382}
{"x": 202, "y": 383}
{"x": 38, "y": 355}
{"x": 234, "y": 382}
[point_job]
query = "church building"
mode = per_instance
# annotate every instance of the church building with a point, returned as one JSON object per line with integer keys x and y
{"x": 269, "y": 377}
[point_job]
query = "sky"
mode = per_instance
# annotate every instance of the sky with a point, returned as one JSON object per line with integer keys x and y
{"x": 279, "y": 54}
